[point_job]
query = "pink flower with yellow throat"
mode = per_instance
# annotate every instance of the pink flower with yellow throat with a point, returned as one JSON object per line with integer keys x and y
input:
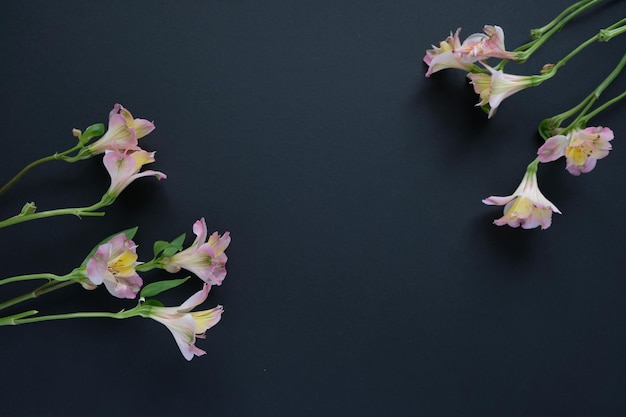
{"x": 581, "y": 148}
{"x": 451, "y": 53}
{"x": 526, "y": 207}
{"x": 494, "y": 87}
{"x": 205, "y": 258}
{"x": 124, "y": 167}
{"x": 114, "y": 264}
{"x": 186, "y": 325}
{"x": 480, "y": 46}
{"x": 123, "y": 132}
{"x": 443, "y": 57}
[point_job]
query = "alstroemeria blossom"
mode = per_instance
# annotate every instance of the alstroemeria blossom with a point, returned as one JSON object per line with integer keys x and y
{"x": 494, "y": 87}
{"x": 480, "y": 46}
{"x": 123, "y": 132}
{"x": 451, "y": 53}
{"x": 526, "y": 207}
{"x": 581, "y": 148}
{"x": 123, "y": 167}
{"x": 205, "y": 258}
{"x": 186, "y": 325}
{"x": 114, "y": 264}
{"x": 443, "y": 57}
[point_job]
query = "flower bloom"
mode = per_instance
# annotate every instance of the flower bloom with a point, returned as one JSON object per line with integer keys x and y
{"x": 480, "y": 46}
{"x": 443, "y": 57}
{"x": 205, "y": 259}
{"x": 581, "y": 148}
{"x": 114, "y": 264}
{"x": 526, "y": 207}
{"x": 451, "y": 53}
{"x": 186, "y": 325}
{"x": 123, "y": 167}
{"x": 493, "y": 88}
{"x": 123, "y": 132}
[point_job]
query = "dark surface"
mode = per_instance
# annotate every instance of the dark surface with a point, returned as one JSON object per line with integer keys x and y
{"x": 365, "y": 277}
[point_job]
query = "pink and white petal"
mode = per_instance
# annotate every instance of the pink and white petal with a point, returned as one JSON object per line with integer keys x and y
{"x": 572, "y": 168}
{"x": 124, "y": 287}
{"x": 118, "y": 165}
{"x": 553, "y": 148}
{"x": 200, "y": 230}
{"x": 589, "y": 165}
{"x": 97, "y": 266}
{"x": 498, "y": 201}
{"x": 183, "y": 330}
{"x": 196, "y": 299}
{"x": 207, "y": 319}
{"x": 159, "y": 175}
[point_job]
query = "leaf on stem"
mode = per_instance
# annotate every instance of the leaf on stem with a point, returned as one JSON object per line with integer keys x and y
{"x": 158, "y": 287}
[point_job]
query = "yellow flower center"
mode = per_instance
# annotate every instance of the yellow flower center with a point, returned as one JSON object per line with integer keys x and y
{"x": 577, "y": 154}
{"x": 124, "y": 264}
{"x": 521, "y": 208}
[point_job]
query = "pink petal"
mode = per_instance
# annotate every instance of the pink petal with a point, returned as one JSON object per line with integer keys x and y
{"x": 553, "y": 148}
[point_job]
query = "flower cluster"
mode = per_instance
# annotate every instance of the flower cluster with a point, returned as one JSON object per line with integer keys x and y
{"x": 114, "y": 263}
{"x": 580, "y": 144}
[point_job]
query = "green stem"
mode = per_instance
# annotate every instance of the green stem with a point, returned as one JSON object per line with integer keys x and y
{"x": 536, "y": 33}
{"x": 12, "y": 319}
{"x": 44, "y": 289}
{"x": 150, "y": 265}
{"x": 29, "y": 277}
{"x": 525, "y": 51}
{"x": 603, "y": 35}
{"x": 139, "y": 310}
{"x": 33, "y": 164}
{"x": 550, "y": 126}
{"x": 532, "y": 167}
{"x": 583, "y": 117}
{"x": 584, "y": 120}
{"x": 66, "y": 316}
{"x": 80, "y": 211}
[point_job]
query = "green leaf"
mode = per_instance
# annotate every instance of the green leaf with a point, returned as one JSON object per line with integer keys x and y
{"x": 178, "y": 242}
{"x": 160, "y": 246}
{"x": 169, "y": 251}
{"x": 154, "y": 303}
{"x": 92, "y": 132}
{"x": 158, "y": 287}
{"x": 130, "y": 233}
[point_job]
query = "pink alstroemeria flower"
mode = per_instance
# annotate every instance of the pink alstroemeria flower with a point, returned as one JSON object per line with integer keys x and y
{"x": 123, "y": 132}
{"x": 493, "y": 88}
{"x": 443, "y": 57}
{"x": 186, "y": 325}
{"x": 114, "y": 264}
{"x": 123, "y": 167}
{"x": 480, "y": 46}
{"x": 526, "y": 207}
{"x": 451, "y": 53}
{"x": 581, "y": 148}
{"x": 205, "y": 259}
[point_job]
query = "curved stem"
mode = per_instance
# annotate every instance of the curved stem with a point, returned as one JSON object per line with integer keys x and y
{"x": 614, "y": 100}
{"x": 33, "y": 164}
{"x": 583, "y": 117}
{"x": 528, "y": 49}
{"x": 44, "y": 289}
{"x": 29, "y": 277}
{"x": 536, "y": 33}
{"x": 150, "y": 265}
{"x": 79, "y": 212}
{"x": 16, "y": 319}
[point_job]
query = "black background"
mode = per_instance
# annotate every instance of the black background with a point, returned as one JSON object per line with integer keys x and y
{"x": 365, "y": 277}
